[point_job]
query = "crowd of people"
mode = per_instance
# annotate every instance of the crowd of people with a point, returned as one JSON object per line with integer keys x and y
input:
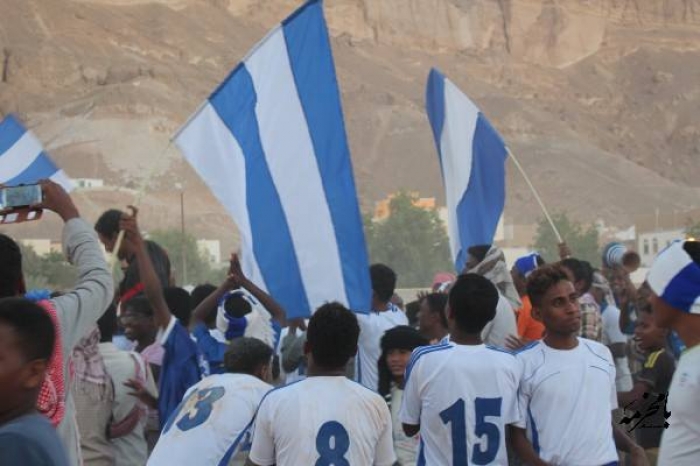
{"x": 561, "y": 364}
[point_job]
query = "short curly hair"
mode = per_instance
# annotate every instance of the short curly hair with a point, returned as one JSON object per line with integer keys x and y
{"x": 542, "y": 279}
{"x": 245, "y": 355}
{"x": 108, "y": 223}
{"x": 473, "y": 301}
{"x": 32, "y": 326}
{"x": 332, "y": 336}
{"x": 383, "y": 281}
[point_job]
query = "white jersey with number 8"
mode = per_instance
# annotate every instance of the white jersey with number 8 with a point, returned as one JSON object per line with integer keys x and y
{"x": 323, "y": 421}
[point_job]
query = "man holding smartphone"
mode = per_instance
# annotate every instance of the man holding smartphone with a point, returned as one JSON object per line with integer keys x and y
{"x": 73, "y": 313}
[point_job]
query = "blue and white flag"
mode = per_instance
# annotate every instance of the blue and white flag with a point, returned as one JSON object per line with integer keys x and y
{"x": 472, "y": 158}
{"x": 270, "y": 143}
{"x": 22, "y": 158}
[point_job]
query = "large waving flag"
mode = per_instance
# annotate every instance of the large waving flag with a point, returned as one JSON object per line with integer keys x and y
{"x": 22, "y": 158}
{"x": 270, "y": 143}
{"x": 472, "y": 157}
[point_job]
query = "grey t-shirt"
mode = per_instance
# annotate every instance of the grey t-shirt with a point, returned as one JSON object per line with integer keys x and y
{"x": 31, "y": 440}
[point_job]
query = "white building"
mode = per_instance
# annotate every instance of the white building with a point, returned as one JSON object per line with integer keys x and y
{"x": 650, "y": 243}
{"x": 211, "y": 248}
{"x": 88, "y": 183}
{"x": 41, "y": 247}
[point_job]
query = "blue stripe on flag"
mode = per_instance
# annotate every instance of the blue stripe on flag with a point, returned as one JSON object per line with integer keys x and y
{"x": 435, "y": 106}
{"x": 312, "y": 65}
{"x": 482, "y": 204}
{"x": 10, "y": 132}
{"x": 41, "y": 168}
{"x": 234, "y": 102}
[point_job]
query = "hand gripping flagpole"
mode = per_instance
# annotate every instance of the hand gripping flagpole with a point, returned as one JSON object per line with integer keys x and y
{"x": 536, "y": 194}
{"x": 137, "y": 202}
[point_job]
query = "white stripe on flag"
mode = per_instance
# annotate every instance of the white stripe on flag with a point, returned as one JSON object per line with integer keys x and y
{"x": 61, "y": 178}
{"x": 456, "y": 146}
{"x": 216, "y": 156}
{"x": 20, "y": 156}
{"x": 291, "y": 159}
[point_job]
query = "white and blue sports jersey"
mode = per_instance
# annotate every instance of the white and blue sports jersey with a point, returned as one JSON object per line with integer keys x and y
{"x": 462, "y": 397}
{"x": 212, "y": 425}
{"x": 372, "y": 329}
{"x": 679, "y": 444}
{"x": 567, "y": 397}
{"x": 323, "y": 420}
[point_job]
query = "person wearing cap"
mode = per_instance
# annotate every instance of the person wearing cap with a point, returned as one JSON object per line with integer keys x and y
{"x": 529, "y": 328}
{"x": 397, "y": 345}
{"x": 236, "y": 308}
{"x": 674, "y": 279}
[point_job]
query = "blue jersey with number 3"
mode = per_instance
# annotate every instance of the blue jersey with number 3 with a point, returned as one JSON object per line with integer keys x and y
{"x": 462, "y": 397}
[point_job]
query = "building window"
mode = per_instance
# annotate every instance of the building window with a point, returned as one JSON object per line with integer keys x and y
{"x": 646, "y": 247}
{"x": 655, "y": 246}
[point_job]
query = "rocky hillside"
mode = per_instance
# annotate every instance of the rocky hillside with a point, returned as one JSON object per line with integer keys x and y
{"x": 598, "y": 98}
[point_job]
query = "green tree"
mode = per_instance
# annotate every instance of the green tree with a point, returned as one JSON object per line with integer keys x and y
{"x": 412, "y": 241}
{"x": 198, "y": 268}
{"x": 582, "y": 240}
{"x": 692, "y": 229}
{"x": 51, "y": 271}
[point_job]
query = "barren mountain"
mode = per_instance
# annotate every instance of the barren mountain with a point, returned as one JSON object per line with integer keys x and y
{"x": 598, "y": 98}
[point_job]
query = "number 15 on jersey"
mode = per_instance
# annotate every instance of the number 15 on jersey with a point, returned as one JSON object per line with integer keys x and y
{"x": 487, "y": 435}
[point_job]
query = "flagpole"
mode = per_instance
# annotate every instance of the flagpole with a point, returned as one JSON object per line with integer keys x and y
{"x": 536, "y": 194}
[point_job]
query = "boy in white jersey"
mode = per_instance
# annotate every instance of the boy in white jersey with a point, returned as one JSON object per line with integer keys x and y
{"x": 675, "y": 283}
{"x": 325, "y": 419}
{"x": 460, "y": 395}
{"x": 212, "y": 425}
{"x": 567, "y": 390}
{"x": 383, "y": 316}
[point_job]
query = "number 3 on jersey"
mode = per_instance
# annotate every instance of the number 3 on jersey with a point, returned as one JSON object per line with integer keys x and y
{"x": 197, "y": 408}
{"x": 485, "y": 451}
{"x": 332, "y": 443}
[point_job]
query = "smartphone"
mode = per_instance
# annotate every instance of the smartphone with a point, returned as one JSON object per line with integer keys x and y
{"x": 14, "y": 197}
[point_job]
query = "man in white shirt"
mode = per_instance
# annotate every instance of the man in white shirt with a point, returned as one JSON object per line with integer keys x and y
{"x": 567, "y": 390}
{"x": 383, "y": 316}
{"x": 675, "y": 283}
{"x": 612, "y": 336}
{"x": 460, "y": 395}
{"x": 325, "y": 419}
{"x": 127, "y": 427}
{"x": 212, "y": 425}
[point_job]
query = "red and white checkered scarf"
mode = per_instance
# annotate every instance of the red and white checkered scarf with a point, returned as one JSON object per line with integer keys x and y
{"x": 52, "y": 396}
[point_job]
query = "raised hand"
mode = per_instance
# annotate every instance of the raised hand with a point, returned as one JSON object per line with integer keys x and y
{"x": 58, "y": 200}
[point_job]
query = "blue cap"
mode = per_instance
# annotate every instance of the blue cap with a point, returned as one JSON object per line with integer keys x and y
{"x": 526, "y": 264}
{"x": 675, "y": 278}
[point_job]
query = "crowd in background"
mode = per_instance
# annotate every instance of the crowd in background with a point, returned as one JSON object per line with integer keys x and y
{"x": 562, "y": 364}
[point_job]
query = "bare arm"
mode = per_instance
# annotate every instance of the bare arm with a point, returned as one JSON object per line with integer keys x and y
{"x": 623, "y": 442}
{"x": 523, "y": 447}
{"x": 151, "y": 283}
{"x": 634, "y": 395}
{"x": 268, "y": 302}
{"x": 210, "y": 302}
